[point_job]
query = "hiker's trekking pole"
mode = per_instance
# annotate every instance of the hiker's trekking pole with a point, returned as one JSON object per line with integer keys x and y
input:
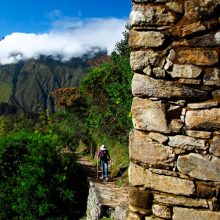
{"x": 97, "y": 168}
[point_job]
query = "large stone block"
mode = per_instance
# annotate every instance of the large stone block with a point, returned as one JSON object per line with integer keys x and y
{"x": 141, "y": 59}
{"x": 192, "y": 214}
{"x": 198, "y": 56}
{"x": 147, "y": 39}
{"x": 140, "y": 198}
{"x": 187, "y": 143}
{"x": 200, "y": 9}
{"x": 149, "y": 115}
{"x": 180, "y": 201}
{"x": 138, "y": 176}
{"x": 151, "y": 15}
{"x": 143, "y": 85}
{"x": 184, "y": 71}
{"x": 199, "y": 167}
{"x": 145, "y": 150}
{"x": 203, "y": 119}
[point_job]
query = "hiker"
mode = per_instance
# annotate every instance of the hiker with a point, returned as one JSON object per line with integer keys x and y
{"x": 104, "y": 157}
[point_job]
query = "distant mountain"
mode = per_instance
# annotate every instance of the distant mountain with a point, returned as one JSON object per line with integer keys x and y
{"x": 28, "y": 84}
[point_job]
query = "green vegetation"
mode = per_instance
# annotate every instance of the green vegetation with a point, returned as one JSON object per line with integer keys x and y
{"x": 5, "y": 91}
{"x": 40, "y": 178}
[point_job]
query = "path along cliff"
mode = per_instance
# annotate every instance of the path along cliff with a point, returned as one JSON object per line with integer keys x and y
{"x": 105, "y": 198}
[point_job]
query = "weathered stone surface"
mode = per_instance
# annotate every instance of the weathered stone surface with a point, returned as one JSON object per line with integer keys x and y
{"x": 144, "y": 149}
{"x": 141, "y": 59}
{"x": 138, "y": 176}
{"x": 153, "y": 218}
{"x": 199, "y": 167}
{"x": 161, "y": 211}
{"x": 146, "y": 39}
{"x": 198, "y": 134}
{"x": 188, "y": 29}
{"x": 212, "y": 78}
{"x": 197, "y": 56}
{"x": 179, "y": 201}
{"x": 190, "y": 81}
{"x": 120, "y": 212}
{"x": 205, "y": 190}
{"x": 148, "y": 1}
{"x": 198, "y": 9}
{"x": 215, "y": 146}
{"x": 192, "y": 214}
{"x": 185, "y": 71}
{"x": 175, "y": 6}
{"x": 139, "y": 210}
{"x": 143, "y": 85}
{"x": 172, "y": 54}
{"x": 151, "y": 15}
{"x": 140, "y": 198}
{"x": 203, "y": 105}
{"x": 214, "y": 204}
{"x": 159, "y": 73}
{"x": 133, "y": 216}
{"x": 187, "y": 143}
{"x": 149, "y": 115}
{"x": 164, "y": 172}
{"x": 216, "y": 94}
{"x": 148, "y": 70}
{"x": 203, "y": 119}
{"x": 206, "y": 40}
{"x": 176, "y": 125}
{"x": 158, "y": 137}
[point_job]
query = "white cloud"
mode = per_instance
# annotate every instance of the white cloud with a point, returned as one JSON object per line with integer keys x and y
{"x": 68, "y": 38}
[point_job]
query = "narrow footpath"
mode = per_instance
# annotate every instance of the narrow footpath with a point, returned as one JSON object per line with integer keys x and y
{"x": 105, "y": 198}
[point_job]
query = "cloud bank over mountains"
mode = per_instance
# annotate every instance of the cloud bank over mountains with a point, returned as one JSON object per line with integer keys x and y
{"x": 67, "y": 39}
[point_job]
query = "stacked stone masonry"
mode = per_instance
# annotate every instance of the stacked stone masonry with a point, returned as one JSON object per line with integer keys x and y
{"x": 174, "y": 146}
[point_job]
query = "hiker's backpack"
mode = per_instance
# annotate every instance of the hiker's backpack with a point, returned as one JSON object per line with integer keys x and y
{"x": 104, "y": 155}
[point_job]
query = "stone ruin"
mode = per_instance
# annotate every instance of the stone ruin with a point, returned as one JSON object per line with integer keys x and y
{"x": 174, "y": 168}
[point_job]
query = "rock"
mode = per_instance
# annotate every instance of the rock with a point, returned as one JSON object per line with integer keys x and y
{"x": 190, "y": 81}
{"x": 176, "y": 125}
{"x": 187, "y": 143}
{"x": 200, "y": 9}
{"x": 168, "y": 64}
{"x": 203, "y": 119}
{"x": 159, "y": 73}
{"x": 214, "y": 204}
{"x": 158, "y": 137}
{"x": 175, "y": 6}
{"x": 120, "y": 212}
{"x": 203, "y": 105}
{"x": 141, "y": 59}
{"x": 143, "y": 85}
{"x": 147, "y": 39}
{"x": 149, "y": 115}
{"x": 172, "y": 55}
{"x": 179, "y": 201}
{"x": 205, "y": 190}
{"x": 212, "y": 78}
{"x": 164, "y": 172}
{"x": 153, "y": 218}
{"x": 138, "y": 176}
{"x": 199, "y": 167}
{"x": 184, "y": 30}
{"x": 197, "y": 56}
{"x": 206, "y": 40}
{"x": 185, "y": 71}
{"x": 216, "y": 94}
{"x": 140, "y": 198}
{"x": 151, "y": 15}
{"x": 139, "y": 210}
{"x": 148, "y": 70}
{"x": 162, "y": 211}
{"x": 199, "y": 134}
{"x": 143, "y": 149}
{"x": 215, "y": 146}
{"x": 133, "y": 216}
{"x": 148, "y": 1}
{"x": 192, "y": 214}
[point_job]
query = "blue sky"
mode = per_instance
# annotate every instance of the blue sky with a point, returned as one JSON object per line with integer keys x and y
{"x": 37, "y": 16}
{"x": 60, "y": 28}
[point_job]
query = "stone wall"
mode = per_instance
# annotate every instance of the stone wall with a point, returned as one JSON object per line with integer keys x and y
{"x": 174, "y": 168}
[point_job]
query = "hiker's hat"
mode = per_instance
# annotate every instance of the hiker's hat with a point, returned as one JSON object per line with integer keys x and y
{"x": 103, "y": 147}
